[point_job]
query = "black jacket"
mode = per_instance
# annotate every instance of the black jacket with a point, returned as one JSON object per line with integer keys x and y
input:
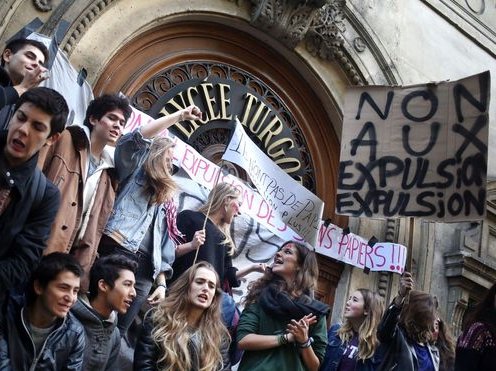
{"x": 8, "y": 98}
{"x": 103, "y": 339}
{"x": 24, "y": 229}
{"x": 213, "y": 249}
{"x": 399, "y": 353}
{"x": 146, "y": 354}
{"x": 62, "y": 351}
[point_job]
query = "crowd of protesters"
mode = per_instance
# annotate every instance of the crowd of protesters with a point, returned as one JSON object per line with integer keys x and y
{"x": 89, "y": 233}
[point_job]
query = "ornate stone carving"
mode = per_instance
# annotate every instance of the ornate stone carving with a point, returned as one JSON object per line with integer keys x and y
{"x": 84, "y": 22}
{"x": 286, "y": 20}
{"x": 359, "y": 44}
{"x": 43, "y": 5}
{"x": 457, "y": 317}
{"x": 319, "y": 23}
{"x": 324, "y": 38}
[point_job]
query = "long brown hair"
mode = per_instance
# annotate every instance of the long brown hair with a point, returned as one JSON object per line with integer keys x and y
{"x": 171, "y": 325}
{"x": 305, "y": 280}
{"x": 160, "y": 184}
{"x": 417, "y": 316}
{"x": 373, "y": 304}
{"x": 446, "y": 345}
{"x": 219, "y": 197}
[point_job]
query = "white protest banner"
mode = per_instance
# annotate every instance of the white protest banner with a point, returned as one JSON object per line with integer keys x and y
{"x": 64, "y": 79}
{"x": 205, "y": 172}
{"x": 352, "y": 249}
{"x": 349, "y": 248}
{"x": 418, "y": 151}
{"x": 299, "y": 208}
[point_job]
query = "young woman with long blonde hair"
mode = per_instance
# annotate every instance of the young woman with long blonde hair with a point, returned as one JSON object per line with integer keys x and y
{"x": 185, "y": 331}
{"x": 141, "y": 225}
{"x": 353, "y": 345}
{"x": 217, "y": 248}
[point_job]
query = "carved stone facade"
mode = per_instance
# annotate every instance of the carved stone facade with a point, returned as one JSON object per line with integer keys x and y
{"x": 319, "y": 24}
{"x": 43, "y": 5}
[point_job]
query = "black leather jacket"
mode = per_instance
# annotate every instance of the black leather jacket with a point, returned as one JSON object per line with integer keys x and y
{"x": 63, "y": 349}
{"x": 146, "y": 354}
{"x": 399, "y": 351}
{"x": 8, "y": 97}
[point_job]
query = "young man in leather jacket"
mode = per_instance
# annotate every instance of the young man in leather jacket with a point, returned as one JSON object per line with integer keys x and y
{"x": 39, "y": 332}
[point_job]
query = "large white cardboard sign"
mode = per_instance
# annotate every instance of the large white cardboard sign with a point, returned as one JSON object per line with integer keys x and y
{"x": 417, "y": 151}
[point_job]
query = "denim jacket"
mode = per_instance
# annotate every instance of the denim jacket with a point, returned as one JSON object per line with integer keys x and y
{"x": 335, "y": 350}
{"x": 133, "y": 213}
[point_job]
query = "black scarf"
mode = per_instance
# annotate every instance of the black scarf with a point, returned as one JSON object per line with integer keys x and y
{"x": 279, "y": 304}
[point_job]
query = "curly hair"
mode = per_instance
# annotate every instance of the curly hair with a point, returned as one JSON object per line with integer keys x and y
{"x": 305, "y": 279}
{"x": 100, "y": 106}
{"x": 171, "y": 326}
{"x": 373, "y": 304}
{"x": 219, "y": 197}
{"x": 418, "y": 315}
{"x": 160, "y": 184}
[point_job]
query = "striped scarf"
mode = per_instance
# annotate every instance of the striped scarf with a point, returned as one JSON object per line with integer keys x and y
{"x": 170, "y": 216}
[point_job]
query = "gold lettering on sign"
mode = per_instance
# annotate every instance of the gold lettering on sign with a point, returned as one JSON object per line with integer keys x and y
{"x": 258, "y": 117}
{"x": 269, "y": 132}
{"x": 206, "y": 88}
{"x": 224, "y": 89}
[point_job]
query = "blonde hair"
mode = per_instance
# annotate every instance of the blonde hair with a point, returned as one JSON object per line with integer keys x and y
{"x": 373, "y": 304}
{"x": 160, "y": 184}
{"x": 171, "y": 325}
{"x": 219, "y": 197}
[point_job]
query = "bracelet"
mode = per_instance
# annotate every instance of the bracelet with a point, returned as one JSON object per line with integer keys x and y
{"x": 306, "y": 344}
{"x": 282, "y": 339}
{"x": 162, "y": 285}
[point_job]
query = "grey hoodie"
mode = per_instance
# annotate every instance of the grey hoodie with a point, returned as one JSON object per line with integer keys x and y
{"x": 103, "y": 339}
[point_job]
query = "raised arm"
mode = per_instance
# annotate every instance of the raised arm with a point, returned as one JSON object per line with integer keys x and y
{"x": 387, "y": 327}
{"x": 157, "y": 126}
{"x": 250, "y": 268}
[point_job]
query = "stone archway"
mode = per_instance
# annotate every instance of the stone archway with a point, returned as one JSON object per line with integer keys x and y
{"x": 137, "y": 62}
{"x": 141, "y": 65}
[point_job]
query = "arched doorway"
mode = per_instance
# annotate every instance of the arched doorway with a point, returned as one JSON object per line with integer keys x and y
{"x": 156, "y": 61}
